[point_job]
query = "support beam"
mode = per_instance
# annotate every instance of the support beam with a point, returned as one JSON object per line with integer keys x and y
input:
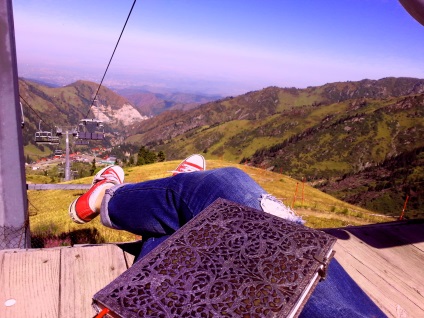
{"x": 14, "y": 221}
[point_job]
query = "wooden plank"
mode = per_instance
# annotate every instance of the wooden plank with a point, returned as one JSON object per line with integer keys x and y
{"x": 398, "y": 251}
{"x": 403, "y": 264}
{"x": 129, "y": 259}
{"x": 48, "y": 186}
{"x": 419, "y": 246}
{"x": 31, "y": 278}
{"x": 84, "y": 271}
{"x": 396, "y": 289}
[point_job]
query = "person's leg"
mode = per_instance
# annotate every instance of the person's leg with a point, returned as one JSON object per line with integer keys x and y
{"x": 339, "y": 296}
{"x": 160, "y": 207}
{"x": 199, "y": 190}
{"x": 87, "y": 206}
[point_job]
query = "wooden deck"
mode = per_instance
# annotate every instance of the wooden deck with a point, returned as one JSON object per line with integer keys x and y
{"x": 57, "y": 282}
{"x": 386, "y": 260}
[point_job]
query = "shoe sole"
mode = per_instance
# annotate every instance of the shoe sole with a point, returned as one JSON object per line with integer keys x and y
{"x": 73, "y": 213}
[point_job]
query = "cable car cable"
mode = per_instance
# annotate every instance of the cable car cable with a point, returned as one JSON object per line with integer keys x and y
{"x": 43, "y": 137}
{"x": 59, "y": 130}
{"x": 110, "y": 60}
{"x": 32, "y": 109}
{"x": 104, "y": 75}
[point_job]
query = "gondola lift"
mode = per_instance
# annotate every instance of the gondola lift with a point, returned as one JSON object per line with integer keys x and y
{"x": 45, "y": 137}
{"x": 91, "y": 129}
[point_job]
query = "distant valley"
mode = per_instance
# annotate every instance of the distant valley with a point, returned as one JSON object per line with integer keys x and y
{"x": 359, "y": 141}
{"x": 152, "y": 102}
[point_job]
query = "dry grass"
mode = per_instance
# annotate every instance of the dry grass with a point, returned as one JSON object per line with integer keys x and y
{"x": 49, "y": 209}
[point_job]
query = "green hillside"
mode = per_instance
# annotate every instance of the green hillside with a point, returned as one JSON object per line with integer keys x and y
{"x": 319, "y": 134}
{"x": 236, "y": 127}
{"x": 46, "y": 108}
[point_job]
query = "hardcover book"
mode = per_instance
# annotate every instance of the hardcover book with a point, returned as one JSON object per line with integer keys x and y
{"x": 230, "y": 260}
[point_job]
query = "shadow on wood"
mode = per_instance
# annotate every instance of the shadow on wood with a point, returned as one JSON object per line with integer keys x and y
{"x": 384, "y": 235}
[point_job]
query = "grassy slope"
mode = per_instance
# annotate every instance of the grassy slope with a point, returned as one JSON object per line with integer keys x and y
{"x": 35, "y": 153}
{"x": 48, "y": 209}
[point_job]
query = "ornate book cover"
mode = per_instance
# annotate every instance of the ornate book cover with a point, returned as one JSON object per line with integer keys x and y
{"x": 230, "y": 260}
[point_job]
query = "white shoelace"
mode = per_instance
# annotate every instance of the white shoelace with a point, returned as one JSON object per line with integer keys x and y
{"x": 111, "y": 177}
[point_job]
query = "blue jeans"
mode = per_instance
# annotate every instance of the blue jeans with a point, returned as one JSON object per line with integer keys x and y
{"x": 155, "y": 209}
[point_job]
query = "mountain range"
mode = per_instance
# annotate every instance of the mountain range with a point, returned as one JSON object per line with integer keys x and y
{"x": 359, "y": 141}
{"x": 153, "y": 101}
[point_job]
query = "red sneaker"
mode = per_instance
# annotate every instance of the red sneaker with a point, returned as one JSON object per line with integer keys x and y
{"x": 82, "y": 210}
{"x": 191, "y": 164}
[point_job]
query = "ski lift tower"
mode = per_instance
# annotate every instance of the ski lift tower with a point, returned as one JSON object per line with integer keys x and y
{"x": 74, "y": 132}
{"x": 14, "y": 219}
{"x": 54, "y": 140}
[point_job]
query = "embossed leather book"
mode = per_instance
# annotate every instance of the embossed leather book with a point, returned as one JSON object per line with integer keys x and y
{"x": 230, "y": 260}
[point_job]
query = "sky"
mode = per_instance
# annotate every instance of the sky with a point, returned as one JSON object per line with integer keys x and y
{"x": 225, "y": 47}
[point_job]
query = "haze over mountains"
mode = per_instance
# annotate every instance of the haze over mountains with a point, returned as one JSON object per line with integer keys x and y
{"x": 360, "y": 141}
{"x": 153, "y": 101}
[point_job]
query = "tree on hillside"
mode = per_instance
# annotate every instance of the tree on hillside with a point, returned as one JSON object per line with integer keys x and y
{"x": 142, "y": 155}
{"x": 93, "y": 167}
{"x": 161, "y": 156}
{"x": 145, "y": 156}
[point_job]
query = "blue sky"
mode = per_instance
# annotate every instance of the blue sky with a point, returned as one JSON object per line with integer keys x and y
{"x": 226, "y": 47}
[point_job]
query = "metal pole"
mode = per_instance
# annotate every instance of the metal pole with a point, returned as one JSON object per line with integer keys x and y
{"x": 67, "y": 164}
{"x": 14, "y": 221}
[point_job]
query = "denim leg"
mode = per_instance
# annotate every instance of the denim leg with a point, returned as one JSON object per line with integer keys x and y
{"x": 160, "y": 207}
{"x": 200, "y": 189}
{"x": 339, "y": 296}
{"x": 148, "y": 208}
